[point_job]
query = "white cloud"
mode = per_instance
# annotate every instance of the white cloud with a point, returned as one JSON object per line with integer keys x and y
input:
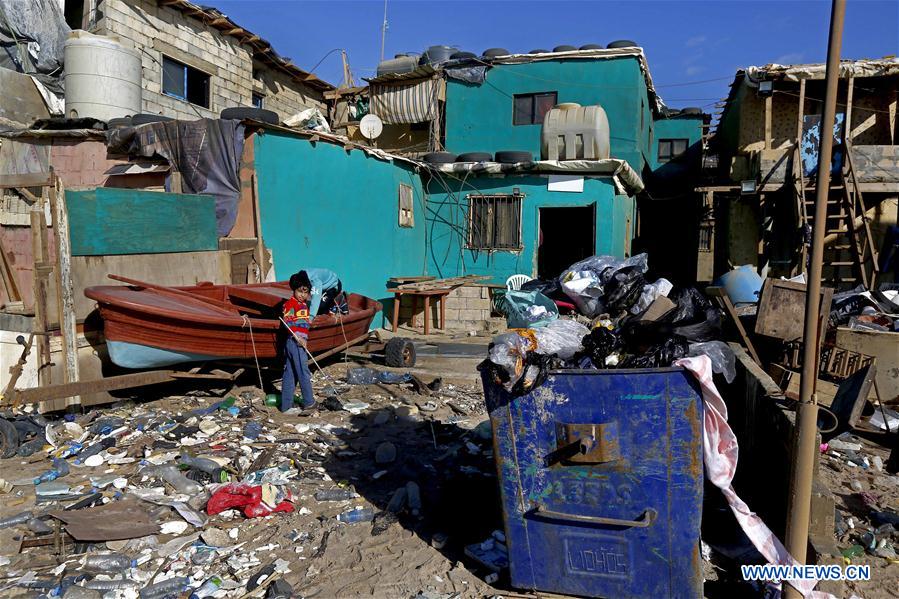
{"x": 791, "y": 58}
{"x": 694, "y": 70}
{"x": 695, "y": 41}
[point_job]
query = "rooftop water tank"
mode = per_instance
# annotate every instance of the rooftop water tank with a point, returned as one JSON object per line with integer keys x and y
{"x": 437, "y": 54}
{"x": 102, "y": 77}
{"x": 400, "y": 64}
{"x": 575, "y": 132}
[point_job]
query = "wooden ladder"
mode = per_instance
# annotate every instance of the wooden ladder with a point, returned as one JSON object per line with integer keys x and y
{"x": 850, "y": 257}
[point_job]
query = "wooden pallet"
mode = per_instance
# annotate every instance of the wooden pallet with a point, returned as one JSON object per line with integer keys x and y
{"x": 440, "y": 284}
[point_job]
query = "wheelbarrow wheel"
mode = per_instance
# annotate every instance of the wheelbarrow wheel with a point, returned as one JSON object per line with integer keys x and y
{"x": 399, "y": 353}
{"x": 9, "y": 439}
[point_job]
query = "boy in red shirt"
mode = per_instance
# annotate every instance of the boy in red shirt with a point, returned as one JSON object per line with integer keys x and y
{"x": 298, "y": 319}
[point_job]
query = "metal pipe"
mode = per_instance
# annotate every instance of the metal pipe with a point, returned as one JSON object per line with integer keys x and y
{"x": 805, "y": 440}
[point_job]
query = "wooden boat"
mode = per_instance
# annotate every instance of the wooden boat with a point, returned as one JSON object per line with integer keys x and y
{"x": 149, "y": 326}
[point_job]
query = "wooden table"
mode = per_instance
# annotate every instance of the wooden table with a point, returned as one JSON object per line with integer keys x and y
{"x": 426, "y": 295}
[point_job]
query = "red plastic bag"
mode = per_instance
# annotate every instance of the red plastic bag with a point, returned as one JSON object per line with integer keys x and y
{"x": 247, "y": 498}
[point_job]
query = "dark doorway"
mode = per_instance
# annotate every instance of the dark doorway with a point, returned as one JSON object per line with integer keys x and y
{"x": 74, "y": 13}
{"x": 566, "y": 236}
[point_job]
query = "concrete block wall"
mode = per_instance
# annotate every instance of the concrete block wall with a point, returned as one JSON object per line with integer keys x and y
{"x": 467, "y": 308}
{"x": 231, "y": 82}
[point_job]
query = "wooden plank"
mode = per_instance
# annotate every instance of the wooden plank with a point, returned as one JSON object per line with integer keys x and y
{"x": 113, "y": 383}
{"x": 851, "y": 396}
{"x": 720, "y": 294}
{"x": 847, "y": 129}
{"x": 108, "y": 221}
{"x": 781, "y": 311}
{"x": 9, "y": 277}
{"x": 40, "y": 275}
{"x": 10, "y": 181}
{"x": 801, "y": 115}
{"x": 768, "y": 111}
{"x": 65, "y": 300}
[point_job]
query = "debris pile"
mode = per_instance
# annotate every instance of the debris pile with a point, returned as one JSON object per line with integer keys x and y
{"x": 621, "y": 321}
{"x": 228, "y": 497}
{"x": 863, "y": 310}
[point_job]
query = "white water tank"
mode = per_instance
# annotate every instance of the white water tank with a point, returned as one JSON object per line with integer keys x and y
{"x": 575, "y": 132}
{"x": 102, "y": 77}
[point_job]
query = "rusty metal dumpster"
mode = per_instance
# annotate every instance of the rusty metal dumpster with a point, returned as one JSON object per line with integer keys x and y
{"x": 601, "y": 480}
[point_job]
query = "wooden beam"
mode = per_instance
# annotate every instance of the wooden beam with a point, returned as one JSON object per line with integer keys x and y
{"x": 10, "y": 181}
{"x": 768, "y": 111}
{"x": 13, "y": 295}
{"x": 40, "y": 284}
{"x": 64, "y": 289}
{"x": 113, "y": 383}
{"x": 233, "y": 31}
{"x": 847, "y": 127}
{"x": 801, "y": 114}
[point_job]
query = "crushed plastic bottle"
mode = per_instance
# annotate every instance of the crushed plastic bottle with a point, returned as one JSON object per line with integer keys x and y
{"x": 855, "y": 485}
{"x": 170, "y": 474}
{"x": 877, "y": 461}
{"x": 109, "y": 563}
{"x": 20, "y": 518}
{"x": 172, "y": 586}
{"x": 203, "y": 555}
{"x": 60, "y": 468}
{"x": 68, "y": 450}
{"x": 109, "y": 585}
{"x": 354, "y": 516}
{"x": 854, "y": 551}
{"x": 413, "y": 497}
{"x": 208, "y": 588}
{"x": 334, "y": 495}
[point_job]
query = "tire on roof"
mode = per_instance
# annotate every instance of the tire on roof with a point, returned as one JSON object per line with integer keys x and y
{"x": 255, "y": 114}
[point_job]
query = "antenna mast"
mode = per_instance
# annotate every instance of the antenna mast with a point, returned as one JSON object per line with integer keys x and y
{"x": 383, "y": 30}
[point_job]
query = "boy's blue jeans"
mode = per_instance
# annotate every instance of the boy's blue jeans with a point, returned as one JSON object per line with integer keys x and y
{"x": 296, "y": 370}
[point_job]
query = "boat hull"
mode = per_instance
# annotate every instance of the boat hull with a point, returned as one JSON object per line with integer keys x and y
{"x": 146, "y": 329}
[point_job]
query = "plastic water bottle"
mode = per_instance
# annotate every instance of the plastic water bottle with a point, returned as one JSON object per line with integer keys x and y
{"x": 252, "y": 430}
{"x": 334, "y": 495}
{"x": 60, "y": 468}
{"x": 94, "y": 449}
{"x": 31, "y": 447}
{"x": 109, "y": 563}
{"x": 170, "y": 474}
{"x": 354, "y": 516}
{"x": 172, "y": 586}
{"x": 210, "y": 467}
{"x": 109, "y": 585}
{"x": 413, "y": 496}
{"x": 208, "y": 588}
{"x": 203, "y": 555}
{"x": 21, "y": 518}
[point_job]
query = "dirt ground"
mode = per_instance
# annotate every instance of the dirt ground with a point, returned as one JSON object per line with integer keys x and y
{"x": 442, "y": 443}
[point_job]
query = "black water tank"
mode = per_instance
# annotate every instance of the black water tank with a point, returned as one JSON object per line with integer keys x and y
{"x": 437, "y": 54}
{"x": 492, "y": 52}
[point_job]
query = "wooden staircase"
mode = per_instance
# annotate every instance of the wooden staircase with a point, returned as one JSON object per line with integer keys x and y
{"x": 850, "y": 257}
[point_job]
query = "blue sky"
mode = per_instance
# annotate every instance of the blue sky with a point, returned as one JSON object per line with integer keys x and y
{"x": 693, "y": 48}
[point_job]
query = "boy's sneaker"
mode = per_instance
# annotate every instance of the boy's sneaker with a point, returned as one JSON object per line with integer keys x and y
{"x": 292, "y": 412}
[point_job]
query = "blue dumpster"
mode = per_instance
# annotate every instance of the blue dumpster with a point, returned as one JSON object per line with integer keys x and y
{"x": 601, "y": 480}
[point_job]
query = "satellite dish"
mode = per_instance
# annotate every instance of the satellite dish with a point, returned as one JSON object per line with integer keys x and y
{"x": 370, "y": 126}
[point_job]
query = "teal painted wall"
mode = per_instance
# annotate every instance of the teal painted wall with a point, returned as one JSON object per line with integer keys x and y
{"x": 109, "y": 221}
{"x": 325, "y": 207}
{"x": 447, "y": 223}
{"x": 680, "y": 127}
{"x": 479, "y": 117}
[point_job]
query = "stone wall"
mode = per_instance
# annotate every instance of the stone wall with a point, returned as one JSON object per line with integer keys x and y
{"x": 158, "y": 31}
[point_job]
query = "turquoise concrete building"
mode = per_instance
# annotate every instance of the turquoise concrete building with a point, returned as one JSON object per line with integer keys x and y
{"x": 494, "y": 115}
{"x": 324, "y": 205}
{"x": 524, "y": 223}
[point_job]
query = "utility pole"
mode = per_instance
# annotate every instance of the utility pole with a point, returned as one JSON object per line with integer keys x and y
{"x": 805, "y": 441}
{"x": 383, "y": 30}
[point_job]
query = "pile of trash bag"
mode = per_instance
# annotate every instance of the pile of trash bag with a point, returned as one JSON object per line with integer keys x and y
{"x": 862, "y": 310}
{"x": 623, "y": 321}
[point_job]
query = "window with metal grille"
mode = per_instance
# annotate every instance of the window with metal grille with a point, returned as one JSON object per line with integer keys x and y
{"x": 669, "y": 149}
{"x": 185, "y": 82}
{"x": 529, "y": 109}
{"x": 407, "y": 216}
{"x": 494, "y": 222}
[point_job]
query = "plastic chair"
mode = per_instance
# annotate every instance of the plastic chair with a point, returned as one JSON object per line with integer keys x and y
{"x": 515, "y": 282}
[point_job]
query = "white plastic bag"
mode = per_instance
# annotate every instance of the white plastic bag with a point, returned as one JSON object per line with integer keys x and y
{"x": 561, "y": 338}
{"x": 650, "y": 293}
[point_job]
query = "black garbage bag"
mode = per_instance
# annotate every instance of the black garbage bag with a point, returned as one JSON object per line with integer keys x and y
{"x": 599, "y": 344}
{"x": 663, "y": 354}
{"x": 550, "y": 288}
{"x": 690, "y": 306}
{"x": 704, "y": 330}
{"x": 624, "y": 289}
{"x": 536, "y": 368}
